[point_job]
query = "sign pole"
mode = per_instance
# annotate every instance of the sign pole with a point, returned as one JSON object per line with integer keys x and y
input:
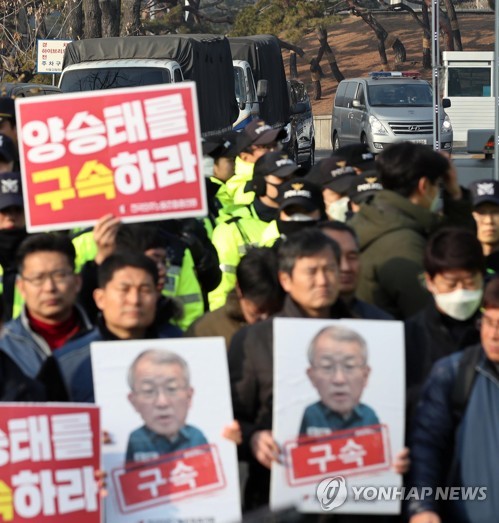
{"x": 435, "y": 61}
{"x": 496, "y": 94}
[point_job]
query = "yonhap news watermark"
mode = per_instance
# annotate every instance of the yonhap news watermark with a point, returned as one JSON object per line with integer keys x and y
{"x": 334, "y": 492}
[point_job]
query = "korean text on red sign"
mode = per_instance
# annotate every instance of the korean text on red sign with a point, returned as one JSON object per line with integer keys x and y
{"x": 48, "y": 458}
{"x": 353, "y": 451}
{"x": 170, "y": 479}
{"x": 131, "y": 152}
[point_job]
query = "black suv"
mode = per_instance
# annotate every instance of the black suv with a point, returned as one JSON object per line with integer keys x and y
{"x": 300, "y": 143}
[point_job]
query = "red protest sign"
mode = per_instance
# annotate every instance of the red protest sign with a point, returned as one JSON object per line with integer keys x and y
{"x": 48, "y": 457}
{"x": 131, "y": 152}
{"x": 171, "y": 478}
{"x": 353, "y": 451}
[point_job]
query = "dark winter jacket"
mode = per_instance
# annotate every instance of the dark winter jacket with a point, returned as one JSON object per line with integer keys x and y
{"x": 225, "y": 321}
{"x": 446, "y": 452}
{"x": 27, "y": 348}
{"x": 392, "y": 233}
{"x": 429, "y": 336}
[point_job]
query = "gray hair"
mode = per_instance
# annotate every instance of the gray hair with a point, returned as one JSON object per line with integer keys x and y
{"x": 338, "y": 333}
{"x": 159, "y": 357}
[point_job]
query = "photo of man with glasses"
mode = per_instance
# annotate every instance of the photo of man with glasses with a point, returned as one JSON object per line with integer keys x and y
{"x": 161, "y": 393}
{"x": 339, "y": 371}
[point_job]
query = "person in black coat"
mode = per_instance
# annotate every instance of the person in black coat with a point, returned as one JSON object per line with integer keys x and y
{"x": 454, "y": 273}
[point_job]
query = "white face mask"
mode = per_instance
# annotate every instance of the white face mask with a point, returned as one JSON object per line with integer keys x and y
{"x": 460, "y": 304}
{"x": 338, "y": 210}
{"x": 208, "y": 163}
{"x": 435, "y": 204}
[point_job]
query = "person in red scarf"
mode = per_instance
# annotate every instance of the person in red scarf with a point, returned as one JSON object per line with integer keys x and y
{"x": 50, "y": 316}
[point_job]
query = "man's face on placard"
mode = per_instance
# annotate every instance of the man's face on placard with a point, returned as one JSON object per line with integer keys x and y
{"x": 339, "y": 372}
{"x": 161, "y": 395}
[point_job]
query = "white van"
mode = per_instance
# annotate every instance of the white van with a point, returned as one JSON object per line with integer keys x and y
{"x": 386, "y": 108}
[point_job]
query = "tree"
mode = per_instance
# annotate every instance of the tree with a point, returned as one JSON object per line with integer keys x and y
{"x": 292, "y": 20}
{"x": 384, "y": 38}
{"x": 449, "y": 27}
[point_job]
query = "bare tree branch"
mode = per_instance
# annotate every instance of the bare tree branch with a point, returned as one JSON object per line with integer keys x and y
{"x": 291, "y": 47}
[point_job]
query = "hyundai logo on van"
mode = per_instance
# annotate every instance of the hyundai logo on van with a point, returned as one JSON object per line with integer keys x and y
{"x": 414, "y": 128}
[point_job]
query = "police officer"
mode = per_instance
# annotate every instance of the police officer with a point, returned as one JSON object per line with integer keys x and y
{"x": 245, "y": 229}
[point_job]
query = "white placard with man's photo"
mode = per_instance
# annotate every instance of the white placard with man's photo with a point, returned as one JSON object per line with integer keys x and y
{"x": 339, "y": 407}
{"x": 164, "y": 404}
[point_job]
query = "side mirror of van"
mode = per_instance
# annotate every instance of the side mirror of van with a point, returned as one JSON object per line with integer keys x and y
{"x": 262, "y": 88}
{"x": 357, "y": 104}
{"x": 446, "y": 103}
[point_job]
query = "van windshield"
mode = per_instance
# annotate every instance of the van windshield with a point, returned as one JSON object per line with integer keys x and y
{"x": 400, "y": 95}
{"x": 112, "y": 78}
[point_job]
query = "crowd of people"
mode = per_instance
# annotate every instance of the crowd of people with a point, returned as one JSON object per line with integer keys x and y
{"x": 388, "y": 238}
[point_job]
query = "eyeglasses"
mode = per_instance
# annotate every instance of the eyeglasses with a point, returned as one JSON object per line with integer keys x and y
{"x": 486, "y": 321}
{"x": 152, "y": 393}
{"x": 346, "y": 368}
{"x": 58, "y": 277}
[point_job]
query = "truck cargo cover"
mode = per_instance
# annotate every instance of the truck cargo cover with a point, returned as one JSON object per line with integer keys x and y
{"x": 204, "y": 59}
{"x": 263, "y": 53}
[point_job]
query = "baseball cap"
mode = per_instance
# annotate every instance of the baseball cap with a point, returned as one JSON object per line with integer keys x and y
{"x": 364, "y": 186}
{"x": 302, "y": 193}
{"x": 328, "y": 173}
{"x": 257, "y": 132}
{"x": 277, "y": 164}
{"x": 10, "y": 190}
{"x": 7, "y": 108}
{"x": 223, "y": 147}
{"x": 355, "y": 155}
{"x": 7, "y": 148}
{"x": 484, "y": 191}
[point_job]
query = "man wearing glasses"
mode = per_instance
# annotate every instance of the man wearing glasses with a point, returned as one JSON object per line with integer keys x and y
{"x": 161, "y": 393}
{"x": 49, "y": 287}
{"x": 339, "y": 371}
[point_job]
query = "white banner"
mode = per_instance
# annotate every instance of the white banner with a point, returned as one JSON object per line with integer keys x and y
{"x": 49, "y": 55}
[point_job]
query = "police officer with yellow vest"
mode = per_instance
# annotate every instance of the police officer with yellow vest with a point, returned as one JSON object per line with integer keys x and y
{"x": 253, "y": 142}
{"x": 219, "y": 156}
{"x": 245, "y": 229}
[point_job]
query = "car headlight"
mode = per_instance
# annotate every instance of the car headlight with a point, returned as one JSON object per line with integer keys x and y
{"x": 446, "y": 125}
{"x": 376, "y": 126}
